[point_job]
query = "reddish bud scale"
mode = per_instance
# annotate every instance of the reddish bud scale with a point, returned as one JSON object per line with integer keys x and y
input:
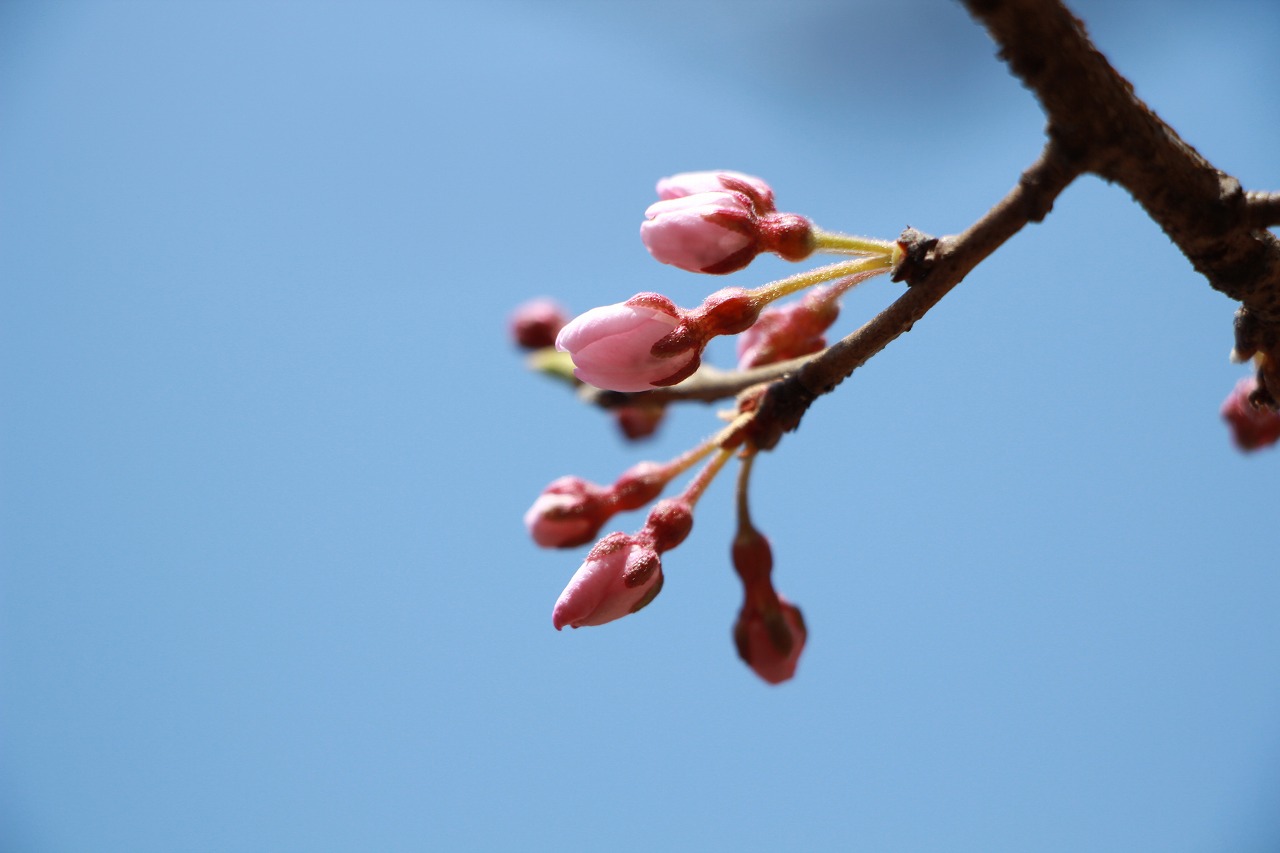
{"x": 668, "y": 524}
{"x": 650, "y": 595}
{"x": 787, "y": 235}
{"x": 684, "y": 337}
{"x": 639, "y": 421}
{"x": 758, "y": 191}
{"x": 789, "y": 331}
{"x": 752, "y": 556}
{"x": 638, "y": 485}
{"x": 569, "y": 512}
{"x": 729, "y": 311}
{"x": 690, "y": 368}
{"x": 657, "y": 302}
{"x": 770, "y": 641}
{"x": 641, "y": 565}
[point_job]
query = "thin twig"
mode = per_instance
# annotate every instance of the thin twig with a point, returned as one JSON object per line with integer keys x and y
{"x": 932, "y": 267}
{"x": 1094, "y": 113}
{"x": 706, "y": 386}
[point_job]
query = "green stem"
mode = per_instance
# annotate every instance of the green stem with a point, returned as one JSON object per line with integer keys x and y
{"x": 832, "y": 241}
{"x": 705, "y": 476}
{"x": 767, "y": 293}
{"x": 691, "y": 457}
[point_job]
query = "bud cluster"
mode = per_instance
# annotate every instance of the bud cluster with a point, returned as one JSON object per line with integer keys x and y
{"x": 705, "y": 222}
{"x": 718, "y": 222}
{"x": 622, "y": 573}
{"x": 570, "y": 511}
{"x": 715, "y": 222}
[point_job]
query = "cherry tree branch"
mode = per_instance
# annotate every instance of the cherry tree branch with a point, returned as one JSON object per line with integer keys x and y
{"x": 1263, "y": 209}
{"x": 1094, "y": 114}
{"x": 1096, "y": 124}
{"x": 706, "y": 386}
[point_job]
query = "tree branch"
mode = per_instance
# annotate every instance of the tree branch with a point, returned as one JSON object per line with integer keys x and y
{"x": 1095, "y": 115}
{"x": 706, "y": 386}
{"x": 932, "y": 267}
{"x": 1263, "y": 209}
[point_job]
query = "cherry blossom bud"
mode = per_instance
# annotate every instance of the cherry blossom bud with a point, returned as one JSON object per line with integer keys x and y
{"x": 721, "y": 231}
{"x": 639, "y": 484}
{"x": 612, "y": 345}
{"x": 691, "y": 183}
{"x": 619, "y": 576}
{"x": 712, "y": 232}
{"x": 1253, "y": 425}
{"x": 569, "y": 512}
{"x": 770, "y": 639}
{"x": 668, "y": 524}
{"x": 787, "y": 331}
{"x": 536, "y": 323}
{"x": 639, "y": 421}
{"x": 728, "y": 311}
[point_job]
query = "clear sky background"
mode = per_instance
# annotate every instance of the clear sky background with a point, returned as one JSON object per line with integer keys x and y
{"x": 265, "y": 447}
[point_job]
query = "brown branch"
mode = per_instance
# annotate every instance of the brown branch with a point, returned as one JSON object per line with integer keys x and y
{"x": 706, "y": 386}
{"x": 932, "y": 267}
{"x": 1095, "y": 115}
{"x": 1262, "y": 209}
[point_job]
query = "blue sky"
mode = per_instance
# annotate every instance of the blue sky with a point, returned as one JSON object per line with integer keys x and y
{"x": 265, "y": 447}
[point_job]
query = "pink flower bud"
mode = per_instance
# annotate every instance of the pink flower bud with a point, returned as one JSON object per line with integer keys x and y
{"x": 1253, "y": 426}
{"x": 639, "y": 484}
{"x": 721, "y": 231}
{"x": 619, "y": 576}
{"x": 711, "y": 232}
{"x": 788, "y": 331}
{"x": 770, "y": 639}
{"x": 612, "y": 346}
{"x": 691, "y": 183}
{"x": 569, "y": 512}
{"x": 536, "y": 323}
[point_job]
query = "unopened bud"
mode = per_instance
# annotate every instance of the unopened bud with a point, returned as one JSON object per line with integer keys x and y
{"x": 569, "y": 512}
{"x": 639, "y": 484}
{"x": 536, "y": 323}
{"x": 709, "y": 232}
{"x": 770, "y": 641}
{"x": 691, "y": 183}
{"x": 599, "y": 591}
{"x": 611, "y": 346}
{"x": 668, "y": 524}
{"x": 640, "y": 420}
{"x": 1254, "y": 424}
